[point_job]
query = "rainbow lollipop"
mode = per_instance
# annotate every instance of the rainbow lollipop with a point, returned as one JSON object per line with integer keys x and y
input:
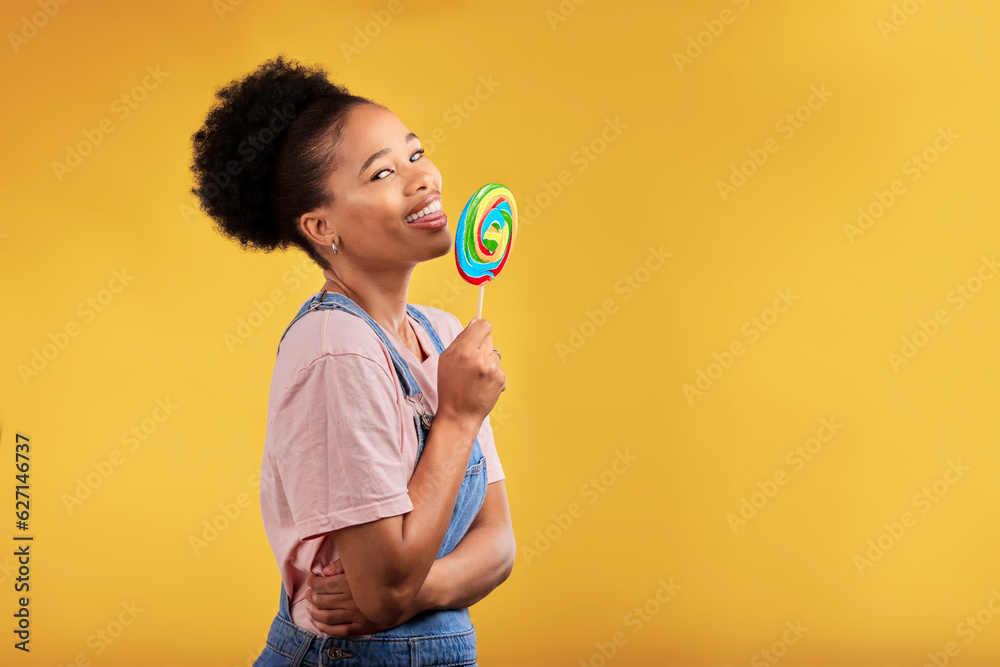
{"x": 485, "y": 235}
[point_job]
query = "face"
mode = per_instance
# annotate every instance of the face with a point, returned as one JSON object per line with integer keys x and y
{"x": 382, "y": 178}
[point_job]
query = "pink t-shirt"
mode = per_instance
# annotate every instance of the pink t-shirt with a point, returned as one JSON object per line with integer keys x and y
{"x": 341, "y": 444}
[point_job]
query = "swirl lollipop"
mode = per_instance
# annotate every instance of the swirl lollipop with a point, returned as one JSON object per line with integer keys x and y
{"x": 484, "y": 236}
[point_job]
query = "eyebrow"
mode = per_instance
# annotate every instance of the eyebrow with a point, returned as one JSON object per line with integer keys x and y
{"x": 382, "y": 152}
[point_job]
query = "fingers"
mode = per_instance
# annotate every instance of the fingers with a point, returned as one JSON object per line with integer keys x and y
{"x": 332, "y": 631}
{"x": 475, "y": 333}
{"x": 321, "y": 606}
{"x": 328, "y": 582}
{"x": 335, "y": 600}
{"x": 334, "y": 616}
{"x": 325, "y": 585}
{"x": 343, "y": 630}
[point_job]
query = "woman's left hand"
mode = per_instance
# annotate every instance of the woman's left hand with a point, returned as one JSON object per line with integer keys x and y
{"x": 332, "y": 606}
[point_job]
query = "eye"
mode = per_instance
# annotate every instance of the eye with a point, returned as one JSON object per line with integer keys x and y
{"x": 416, "y": 154}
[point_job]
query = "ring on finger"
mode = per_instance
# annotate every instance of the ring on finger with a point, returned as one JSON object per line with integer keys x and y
{"x": 498, "y": 353}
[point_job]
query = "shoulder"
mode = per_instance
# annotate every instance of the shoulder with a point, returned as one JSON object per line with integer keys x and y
{"x": 323, "y": 336}
{"x": 330, "y": 331}
{"x": 445, "y": 324}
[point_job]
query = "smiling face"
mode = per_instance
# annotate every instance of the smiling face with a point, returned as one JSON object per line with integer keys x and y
{"x": 381, "y": 179}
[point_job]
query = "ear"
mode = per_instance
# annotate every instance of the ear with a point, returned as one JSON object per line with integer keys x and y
{"x": 316, "y": 226}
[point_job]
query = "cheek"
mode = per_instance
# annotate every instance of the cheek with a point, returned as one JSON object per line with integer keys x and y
{"x": 370, "y": 217}
{"x": 393, "y": 208}
{"x": 381, "y": 203}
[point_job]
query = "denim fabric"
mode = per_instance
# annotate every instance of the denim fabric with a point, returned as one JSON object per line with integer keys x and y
{"x": 434, "y": 637}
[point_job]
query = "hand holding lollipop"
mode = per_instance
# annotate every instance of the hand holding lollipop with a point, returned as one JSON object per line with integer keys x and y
{"x": 485, "y": 235}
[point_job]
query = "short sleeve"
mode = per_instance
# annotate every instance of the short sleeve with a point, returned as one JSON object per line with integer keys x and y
{"x": 336, "y": 445}
{"x": 494, "y": 471}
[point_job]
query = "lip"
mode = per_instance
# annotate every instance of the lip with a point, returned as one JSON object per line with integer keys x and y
{"x": 430, "y": 222}
{"x": 423, "y": 203}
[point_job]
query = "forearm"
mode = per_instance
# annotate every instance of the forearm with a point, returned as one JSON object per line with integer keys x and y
{"x": 433, "y": 489}
{"x": 481, "y": 561}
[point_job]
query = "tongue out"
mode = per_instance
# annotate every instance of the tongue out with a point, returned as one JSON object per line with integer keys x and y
{"x": 430, "y": 221}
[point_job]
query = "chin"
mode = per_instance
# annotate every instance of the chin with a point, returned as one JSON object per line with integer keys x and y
{"x": 441, "y": 245}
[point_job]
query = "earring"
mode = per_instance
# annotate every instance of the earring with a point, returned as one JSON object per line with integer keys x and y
{"x": 335, "y": 251}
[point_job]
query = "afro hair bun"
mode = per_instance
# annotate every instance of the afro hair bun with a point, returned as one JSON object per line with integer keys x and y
{"x": 262, "y": 157}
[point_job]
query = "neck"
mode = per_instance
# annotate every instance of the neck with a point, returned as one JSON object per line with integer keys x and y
{"x": 382, "y": 294}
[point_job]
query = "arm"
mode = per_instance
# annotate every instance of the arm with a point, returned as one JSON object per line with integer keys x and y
{"x": 387, "y": 560}
{"x": 482, "y": 561}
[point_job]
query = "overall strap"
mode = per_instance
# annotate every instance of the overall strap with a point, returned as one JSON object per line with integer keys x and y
{"x": 335, "y": 301}
{"x": 428, "y": 327}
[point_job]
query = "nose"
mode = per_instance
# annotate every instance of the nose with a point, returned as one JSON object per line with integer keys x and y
{"x": 424, "y": 176}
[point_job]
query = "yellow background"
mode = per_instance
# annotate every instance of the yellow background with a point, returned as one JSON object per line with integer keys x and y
{"x": 565, "y": 416}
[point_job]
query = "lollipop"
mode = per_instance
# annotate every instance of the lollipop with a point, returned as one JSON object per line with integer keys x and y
{"x": 485, "y": 235}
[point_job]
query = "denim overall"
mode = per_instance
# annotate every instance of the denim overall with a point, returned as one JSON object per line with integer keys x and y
{"x": 433, "y": 637}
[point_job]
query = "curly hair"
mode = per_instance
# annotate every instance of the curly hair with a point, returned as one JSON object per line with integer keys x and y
{"x": 263, "y": 155}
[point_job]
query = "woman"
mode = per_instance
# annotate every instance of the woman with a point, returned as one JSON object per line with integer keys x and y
{"x": 379, "y": 463}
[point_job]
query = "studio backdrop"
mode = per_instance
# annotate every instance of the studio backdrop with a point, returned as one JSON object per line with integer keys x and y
{"x": 749, "y": 323}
